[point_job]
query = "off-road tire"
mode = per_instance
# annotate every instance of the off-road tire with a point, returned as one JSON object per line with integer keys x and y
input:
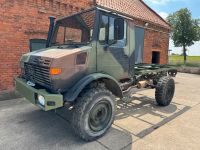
{"x": 86, "y": 103}
{"x": 165, "y": 89}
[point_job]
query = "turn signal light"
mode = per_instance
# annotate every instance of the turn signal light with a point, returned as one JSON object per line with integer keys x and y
{"x": 55, "y": 71}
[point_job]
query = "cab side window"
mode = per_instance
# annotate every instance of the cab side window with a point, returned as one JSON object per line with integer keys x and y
{"x": 103, "y": 32}
{"x": 113, "y": 31}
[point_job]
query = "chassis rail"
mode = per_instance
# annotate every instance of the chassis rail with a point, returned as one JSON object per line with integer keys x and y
{"x": 149, "y": 75}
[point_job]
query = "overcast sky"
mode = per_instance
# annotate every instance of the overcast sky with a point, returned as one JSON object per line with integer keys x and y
{"x": 165, "y": 7}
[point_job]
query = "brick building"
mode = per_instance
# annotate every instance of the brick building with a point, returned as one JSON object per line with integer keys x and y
{"x": 21, "y": 20}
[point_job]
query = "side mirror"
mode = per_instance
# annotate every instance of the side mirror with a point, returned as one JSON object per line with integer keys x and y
{"x": 36, "y": 44}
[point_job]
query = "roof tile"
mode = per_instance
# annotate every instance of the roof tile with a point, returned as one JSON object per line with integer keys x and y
{"x": 135, "y": 8}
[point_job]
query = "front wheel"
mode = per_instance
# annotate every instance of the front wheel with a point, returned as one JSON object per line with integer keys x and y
{"x": 94, "y": 113}
{"x": 165, "y": 91}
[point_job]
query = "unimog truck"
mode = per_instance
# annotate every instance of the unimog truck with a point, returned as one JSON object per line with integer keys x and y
{"x": 88, "y": 63}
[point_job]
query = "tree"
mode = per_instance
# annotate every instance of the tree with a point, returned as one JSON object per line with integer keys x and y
{"x": 185, "y": 30}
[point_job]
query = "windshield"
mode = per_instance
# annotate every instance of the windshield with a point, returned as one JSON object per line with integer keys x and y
{"x": 77, "y": 29}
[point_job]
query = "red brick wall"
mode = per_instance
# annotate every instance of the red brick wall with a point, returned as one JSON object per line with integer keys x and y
{"x": 158, "y": 42}
{"x": 21, "y": 20}
{"x": 156, "y": 39}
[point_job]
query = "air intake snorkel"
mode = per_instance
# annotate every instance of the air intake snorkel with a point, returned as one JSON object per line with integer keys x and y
{"x": 50, "y": 33}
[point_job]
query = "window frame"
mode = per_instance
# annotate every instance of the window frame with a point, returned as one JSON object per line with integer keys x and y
{"x": 99, "y": 29}
{"x": 57, "y": 24}
{"x": 107, "y": 34}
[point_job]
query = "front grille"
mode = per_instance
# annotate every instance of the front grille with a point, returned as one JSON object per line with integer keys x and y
{"x": 37, "y": 74}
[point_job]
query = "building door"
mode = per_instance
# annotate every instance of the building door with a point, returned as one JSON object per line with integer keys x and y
{"x": 155, "y": 57}
{"x": 112, "y": 49}
{"x": 139, "y": 45}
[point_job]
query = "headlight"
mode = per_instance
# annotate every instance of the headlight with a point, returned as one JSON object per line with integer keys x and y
{"x": 41, "y": 100}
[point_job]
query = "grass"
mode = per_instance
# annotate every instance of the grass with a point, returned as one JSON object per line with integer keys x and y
{"x": 192, "y": 61}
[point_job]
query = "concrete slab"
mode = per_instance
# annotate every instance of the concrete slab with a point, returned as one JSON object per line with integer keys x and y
{"x": 117, "y": 138}
{"x": 140, "y": 124}
{"x": 133, "y": 125}
{"x": 31, "y": 128}
{"x": 182, "y": 133}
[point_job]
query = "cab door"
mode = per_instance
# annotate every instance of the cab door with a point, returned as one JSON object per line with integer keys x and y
{"x": 112, "y": 48}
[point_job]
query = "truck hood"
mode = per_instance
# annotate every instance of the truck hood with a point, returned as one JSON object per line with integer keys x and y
{"x": 53, "y": 53}
{"x": 58, "y": 53}
{"x": 72, "y": 61}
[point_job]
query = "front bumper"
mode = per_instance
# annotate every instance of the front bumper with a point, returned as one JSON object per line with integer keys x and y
{"x": 52, "y": 101}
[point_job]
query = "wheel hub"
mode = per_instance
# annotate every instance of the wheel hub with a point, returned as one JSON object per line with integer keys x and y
{"x": 100, "y": 116}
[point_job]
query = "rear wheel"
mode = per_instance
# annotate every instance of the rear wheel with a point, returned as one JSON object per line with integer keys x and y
{"x": 165, "y": 91}
{"x": 93, "y": 113}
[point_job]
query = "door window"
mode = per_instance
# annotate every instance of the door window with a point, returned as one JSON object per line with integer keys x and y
{"x": 113, "y": 31}
{"x": 103, "y": 30}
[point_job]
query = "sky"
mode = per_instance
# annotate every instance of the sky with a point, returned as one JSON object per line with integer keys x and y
{"x": 166, "y": 7}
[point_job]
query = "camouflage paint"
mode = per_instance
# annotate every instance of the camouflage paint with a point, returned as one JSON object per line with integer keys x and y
{"x": 117, "y": 63}
{"x": 30, "y": 94}
{"x": 65, "y": 59}
{"x": 110, "y": 65}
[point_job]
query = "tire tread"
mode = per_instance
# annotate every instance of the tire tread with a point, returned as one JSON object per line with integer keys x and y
{"x": 161, "y": 89}
{"x": 82, "y": 102}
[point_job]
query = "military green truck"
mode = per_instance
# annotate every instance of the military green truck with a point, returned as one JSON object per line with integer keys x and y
{"x": 88, "y": 63}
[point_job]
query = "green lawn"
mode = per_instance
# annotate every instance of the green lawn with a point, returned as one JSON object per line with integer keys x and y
{"x": 178, "y": 60}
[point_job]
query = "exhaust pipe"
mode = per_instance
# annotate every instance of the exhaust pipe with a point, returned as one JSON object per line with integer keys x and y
{"x": 50, "y": 33}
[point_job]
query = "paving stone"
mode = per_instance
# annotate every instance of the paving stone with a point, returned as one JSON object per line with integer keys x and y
{"x": 153, "y": 119}
{"x": 117, "y": 138}
{"x": 133, "y": 125}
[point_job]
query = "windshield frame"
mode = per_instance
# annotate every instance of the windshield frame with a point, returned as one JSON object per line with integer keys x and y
{"x": 56, "y": 27}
